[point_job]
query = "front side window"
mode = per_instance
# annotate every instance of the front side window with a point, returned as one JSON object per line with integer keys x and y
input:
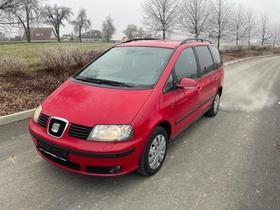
{"x": 205, "y": 59}
{"x": 130, "y": 66}
{"x": 186, "y": 65}
{"x": 169, "y": 84}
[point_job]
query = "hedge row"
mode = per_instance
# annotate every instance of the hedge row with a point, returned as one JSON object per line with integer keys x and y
{"x": 59, "y": 62}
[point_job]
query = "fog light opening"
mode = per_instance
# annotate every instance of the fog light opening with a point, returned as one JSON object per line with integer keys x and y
{"x": 115, "y": 169}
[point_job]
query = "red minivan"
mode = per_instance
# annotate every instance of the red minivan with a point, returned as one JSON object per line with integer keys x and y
{"x": 120, "y": 112}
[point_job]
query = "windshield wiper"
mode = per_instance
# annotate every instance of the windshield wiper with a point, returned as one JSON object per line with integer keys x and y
{"x": 103, "y": 81}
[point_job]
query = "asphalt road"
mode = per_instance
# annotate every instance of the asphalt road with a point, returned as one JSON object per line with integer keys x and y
{"x": 228, "y": 162}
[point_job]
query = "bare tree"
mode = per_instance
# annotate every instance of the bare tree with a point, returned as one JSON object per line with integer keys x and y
{"x": 239, "y": 23}
{"x": 221, "y": 11}
{"x": 23, "y": 13}
{"x": 131, "y": 31}
{"x": 162, "y": 15}
{"x": 81, "y": 23}
{"x": 195, "y": 16}
{"x": 5, "y": 6}
{"x": 9, "y": 4}
{"x": 6, "y": 18}
{"x": 275, "y": 35}
{"x": 56, "y": 16}
{"x": 108, "y": 29}
{"x": 250, "y": 27}
{"x": 265, "y": 33}
{"x": 141, "y": 33}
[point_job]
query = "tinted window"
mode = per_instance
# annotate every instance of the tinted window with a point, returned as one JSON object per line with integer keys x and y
{"x": 169, "y": 84}
{"x": 186, "y": 65}
{"x": 136, "y": 66}
{"x": 216, "y": 56}
{"x": 205, "y": 59}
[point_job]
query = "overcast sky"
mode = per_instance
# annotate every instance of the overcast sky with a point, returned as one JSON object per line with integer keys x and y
{"x": 126, "y": 12}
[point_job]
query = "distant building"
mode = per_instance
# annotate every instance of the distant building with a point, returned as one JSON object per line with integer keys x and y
{"x": 67, "y": 37}
{"x": 125, "y": 38}
{"x": 41, "y": 34}
{"x": 92, "y": 35}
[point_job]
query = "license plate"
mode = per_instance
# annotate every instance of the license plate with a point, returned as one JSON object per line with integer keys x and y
{"x": 53, "y": 151}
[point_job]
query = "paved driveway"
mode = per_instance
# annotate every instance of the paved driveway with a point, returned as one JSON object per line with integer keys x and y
{"x": 228, "y": 162}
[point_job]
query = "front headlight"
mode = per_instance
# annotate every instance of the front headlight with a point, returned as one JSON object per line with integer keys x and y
{"x": 110, "y": 133}
{"x": 37, "y": 114}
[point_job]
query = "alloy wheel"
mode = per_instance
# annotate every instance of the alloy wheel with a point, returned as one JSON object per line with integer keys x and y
{"x": 157, "y": 152}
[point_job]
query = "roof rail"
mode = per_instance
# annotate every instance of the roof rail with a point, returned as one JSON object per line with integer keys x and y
{"x": 138, "y": 39}
{"x": 195, "y": 39}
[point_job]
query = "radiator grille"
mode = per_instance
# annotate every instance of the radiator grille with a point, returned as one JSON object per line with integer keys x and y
{"x": 78, "y": 131}
{"x": 43, "y": 120}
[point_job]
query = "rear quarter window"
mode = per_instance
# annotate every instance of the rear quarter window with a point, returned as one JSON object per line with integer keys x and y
{"x": 205, "y": 59}
{"x": 216, "y": 56}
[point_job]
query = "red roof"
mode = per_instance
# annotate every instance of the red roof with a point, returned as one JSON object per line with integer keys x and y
{"x": 159, "y": 43}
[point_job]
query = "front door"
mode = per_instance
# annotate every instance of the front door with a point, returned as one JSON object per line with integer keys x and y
{"x": 186, "y": 101}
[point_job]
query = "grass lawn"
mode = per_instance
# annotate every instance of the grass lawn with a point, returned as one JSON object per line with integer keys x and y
{"x": 32, "y": 51}
{"x": 19, "y": 93}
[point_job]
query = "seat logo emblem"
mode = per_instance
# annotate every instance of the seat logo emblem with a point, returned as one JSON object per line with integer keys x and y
{"x": 55, "y": 127}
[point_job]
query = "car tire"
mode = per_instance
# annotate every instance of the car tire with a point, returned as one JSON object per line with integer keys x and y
{"x": 214, "y": 109}
{"x": 154, "y": 152}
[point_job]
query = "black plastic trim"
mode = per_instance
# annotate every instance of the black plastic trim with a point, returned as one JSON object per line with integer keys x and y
{"x": 139, "y": 39}
{"x": 67, "y": 164}
{"x": 101, "y": 170}
{"x": 195, "y": 39}
{"x": 191, "y": 112}
{"x": 43, "y": 120}
{"x": 87, "y": 154}
{"x": 79, "y": 131}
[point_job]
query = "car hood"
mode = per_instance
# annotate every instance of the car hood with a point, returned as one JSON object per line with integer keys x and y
{"x": 89, "y": 105}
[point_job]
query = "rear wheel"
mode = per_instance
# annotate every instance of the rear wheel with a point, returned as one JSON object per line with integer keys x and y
{"x": 154, "y": 153}
{"x": 213, "y": 111}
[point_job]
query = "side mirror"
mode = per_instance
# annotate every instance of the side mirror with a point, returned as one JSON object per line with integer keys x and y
{"x": 187, "y": 84}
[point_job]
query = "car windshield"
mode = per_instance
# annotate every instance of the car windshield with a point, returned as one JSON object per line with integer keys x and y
{"x": 128, "y": 67}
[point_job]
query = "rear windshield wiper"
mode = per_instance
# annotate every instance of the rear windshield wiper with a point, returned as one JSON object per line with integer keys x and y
{"x": 103, "y": 81}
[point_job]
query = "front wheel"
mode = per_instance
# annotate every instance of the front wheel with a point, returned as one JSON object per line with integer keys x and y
{"x": 213, "y": 111}
{"x": 154, "y": 153}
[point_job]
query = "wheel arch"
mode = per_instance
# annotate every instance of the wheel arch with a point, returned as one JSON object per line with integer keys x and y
{"x": 165, "y": 124}
{"x": 220, "y": 91}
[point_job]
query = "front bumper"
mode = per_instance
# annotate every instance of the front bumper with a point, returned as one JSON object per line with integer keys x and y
{"x": 99, "y": 159}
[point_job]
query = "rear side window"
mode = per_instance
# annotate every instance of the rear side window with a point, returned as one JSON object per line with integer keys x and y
{"x": 216, "y": 56}
{"x": 205, "y": 59}
{"x": 186, "y": 65}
